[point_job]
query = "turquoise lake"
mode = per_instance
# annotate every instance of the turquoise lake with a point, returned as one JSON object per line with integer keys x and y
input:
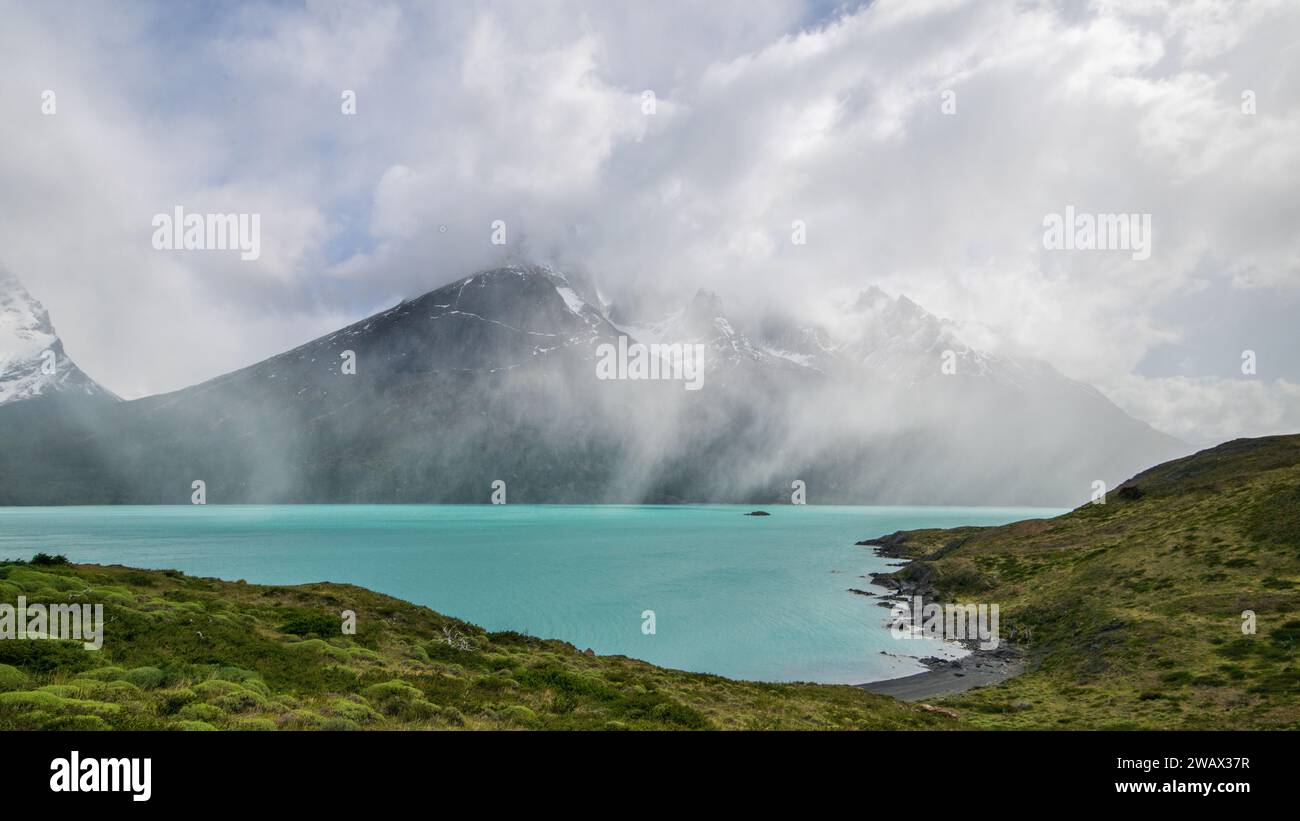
{"x": 762, "y": 598}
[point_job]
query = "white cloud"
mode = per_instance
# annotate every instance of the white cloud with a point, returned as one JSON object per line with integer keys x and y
{"x": 1206, "y": 411}
{"x": 531, "y": 113}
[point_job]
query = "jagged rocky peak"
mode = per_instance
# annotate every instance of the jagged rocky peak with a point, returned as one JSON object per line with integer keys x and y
{"x": 894, "y": 311}
{"x": 24, "y": 322}
{"x": 32, "y": 360}
{"x": 703, "y": 320}
{"x": 489, "y": 321}
{"x": 896, "y": 323}
{"x": 872, "y": 299}
{"x": 706, "y": 304}
{"x": 502, "y": 288}
{"x": 787, "y": 337}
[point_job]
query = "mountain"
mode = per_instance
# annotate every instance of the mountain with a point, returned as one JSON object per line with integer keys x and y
{"x": 1173, "y": 605}
{"x": 32, "y": 360}
{"x": 495, "y": 377}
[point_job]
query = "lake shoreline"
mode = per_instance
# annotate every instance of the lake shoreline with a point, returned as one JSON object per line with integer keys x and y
{"x": 948, "y": 677}
{"x": 945, "y": 676}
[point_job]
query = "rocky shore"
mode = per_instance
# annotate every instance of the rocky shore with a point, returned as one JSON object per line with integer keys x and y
{"x": 945, "y": 676}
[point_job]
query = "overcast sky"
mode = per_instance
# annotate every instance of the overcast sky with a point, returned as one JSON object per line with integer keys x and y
{"x": 766, "y": 112}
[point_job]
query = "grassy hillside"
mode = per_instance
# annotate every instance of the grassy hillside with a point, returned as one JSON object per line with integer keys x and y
{"x": 197, "y": 654}
{"x": 1132, "y": 609}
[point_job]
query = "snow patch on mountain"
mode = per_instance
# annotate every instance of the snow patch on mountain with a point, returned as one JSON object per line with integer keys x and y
{"x": 32, "y": 360}
{"x": 571, "y": 299}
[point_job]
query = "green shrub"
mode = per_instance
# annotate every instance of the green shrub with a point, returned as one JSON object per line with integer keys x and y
{"x": 76, "y": 723}
{"x": 339, "y": 725}
{"x": 61, "y": 690}
{"x": 240, "y": 702}
{"x": 521, "y": 715}
{"x": 202, "y": 712}
{"x": 351, "y": 710}
{"x": 321, "y": 624}
{"x": 34, "y": 581}
{"x": 11, "y": 678}
{"x": 104, "y": 673}
{"x": 670, "y": 712}
{"x": 1238, "y": 648}
{"x": 236, "y": 674}
{"x": 1287, "y": 636}
{"x": 36, "y": 699}
{"x": 174, "y": 700}
{"x": 419, "y": 710}
{"x": 319, "y": 646}
{"x": 146, "y": 678}
{"x": 214, "y": 688}
{"x": 46, "y": 656}
{"x": 104, "y": 690}
{"x": 193, "y": 726}
{"x": 42, "y": 700}
{"x": 301, "y": 720}
{"x": 256, "y": 724}
{"x": 395, "y": 691}
{"x": 398, "y": 699}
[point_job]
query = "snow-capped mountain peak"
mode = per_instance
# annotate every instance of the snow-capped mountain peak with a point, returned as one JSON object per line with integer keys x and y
{"x": 704, "y": 321}
{"x": 32, "y": 359}
{"x": 25, "y": 329}
{"x": 898, "y": 339}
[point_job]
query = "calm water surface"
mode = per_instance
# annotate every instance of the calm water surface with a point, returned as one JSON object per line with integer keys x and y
{"x": 761, "y": 598}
